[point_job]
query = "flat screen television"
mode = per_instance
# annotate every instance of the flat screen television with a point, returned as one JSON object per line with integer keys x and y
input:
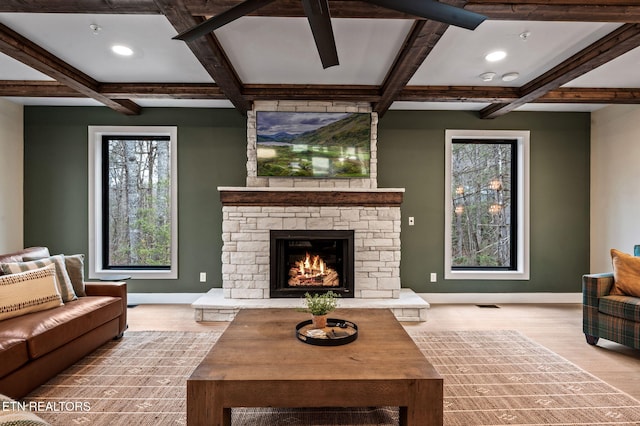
{"x": 313, "y": 144}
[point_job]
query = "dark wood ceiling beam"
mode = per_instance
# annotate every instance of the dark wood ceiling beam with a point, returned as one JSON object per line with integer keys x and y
{"x": 312, "y": 92}
{"x": 81, "y": 6}
{"x": 421, "y": 40}
{"x": 53, "y": 89}
{"x": 494, "y": 94}
{"x": 611, "y": 46}
{"x": 364, "y": 93}
{"x": 484, "y": 94}
{"x": 37, "y": 89}
{"x": 209, "y": 53}
{"x": 163, "y": 90}
{"x": 561, "y": 10}
{"x": 293, "y": 8}
{"x": 29, "y": 53}
{"x": 580, "y": 95}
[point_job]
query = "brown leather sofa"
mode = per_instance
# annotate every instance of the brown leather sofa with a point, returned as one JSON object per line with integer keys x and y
{"x": 37, "y": 346}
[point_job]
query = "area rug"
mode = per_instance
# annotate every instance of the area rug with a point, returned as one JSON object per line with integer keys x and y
{"x": 491, "y": 378}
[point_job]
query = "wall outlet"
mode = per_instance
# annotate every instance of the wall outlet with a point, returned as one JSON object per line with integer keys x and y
{"x": 412, "y": 221}
{"x": 434, "y": 277}
{"x": 203, "y": 277}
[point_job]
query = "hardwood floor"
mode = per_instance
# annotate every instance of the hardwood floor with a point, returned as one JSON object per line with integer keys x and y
{"x": 555, "y": 326}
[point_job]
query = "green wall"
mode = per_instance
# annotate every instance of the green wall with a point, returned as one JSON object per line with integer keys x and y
{"x": 212, "y": 153}
{"x": 411, "y": 155}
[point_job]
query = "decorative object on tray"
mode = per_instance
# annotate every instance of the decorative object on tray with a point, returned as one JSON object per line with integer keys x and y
{"x": 337, "y": 332}
{"x": 319, "y": 305}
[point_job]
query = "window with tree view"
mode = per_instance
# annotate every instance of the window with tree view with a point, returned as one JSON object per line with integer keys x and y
{"x": 483, "y": 211}
{"x": 136, "y": 202}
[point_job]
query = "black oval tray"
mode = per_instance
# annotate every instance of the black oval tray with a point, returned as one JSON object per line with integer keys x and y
{"x": 333, "y": 326}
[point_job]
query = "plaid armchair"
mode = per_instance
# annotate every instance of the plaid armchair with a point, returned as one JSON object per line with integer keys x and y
{"x": 607, "y": 316}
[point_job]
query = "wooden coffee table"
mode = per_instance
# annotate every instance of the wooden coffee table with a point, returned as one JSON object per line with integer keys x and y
{"x": 259, "y": 362}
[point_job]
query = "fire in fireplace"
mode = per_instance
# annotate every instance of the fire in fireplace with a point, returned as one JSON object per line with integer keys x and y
{"x": 313, "y": 271}
{"x": 311, "y": 261}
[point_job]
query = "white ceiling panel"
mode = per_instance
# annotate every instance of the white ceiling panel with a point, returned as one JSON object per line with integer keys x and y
{"x": 458, "y": 58}
{"x": 560, "y": 107}
{"x": 156, "y": 58}
{"x": 184, "y": 103}
{"x": 282, "y": 50}
{"x": 438, "y": 106}
{"x": 54, "y": 101}
{"x": 624, "y": 71}
{"x": 11, "y": 69}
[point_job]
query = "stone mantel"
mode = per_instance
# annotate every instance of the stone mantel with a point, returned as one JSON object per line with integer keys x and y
{"x": 274, "y": 196}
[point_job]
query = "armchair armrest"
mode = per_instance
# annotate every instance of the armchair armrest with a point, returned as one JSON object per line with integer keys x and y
{"x": 113, "y": 289}
{"x": 106, "y": 288}
{"x": 594, "y": 286}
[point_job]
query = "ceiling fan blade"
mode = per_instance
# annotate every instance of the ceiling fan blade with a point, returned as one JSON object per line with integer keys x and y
{"x": 431, "y": 9}
{"x": 215, "y": 22}
{"x": 317, "y": 12}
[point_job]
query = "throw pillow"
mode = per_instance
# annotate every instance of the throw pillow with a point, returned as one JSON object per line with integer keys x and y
{"x": 30, "y": 291}
{"x": 14, "y": 413}
{"x": 626, "y": 274}
{"x": 75, "y": 269}
{"x": 64, "y": 282}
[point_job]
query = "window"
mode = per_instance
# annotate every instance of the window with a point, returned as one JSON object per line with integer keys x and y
{"x": 486, "y": 198}
{"x": 133, "y": 202}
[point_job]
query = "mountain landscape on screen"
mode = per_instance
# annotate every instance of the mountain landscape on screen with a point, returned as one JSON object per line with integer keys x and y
{"x": 328, "y": 145}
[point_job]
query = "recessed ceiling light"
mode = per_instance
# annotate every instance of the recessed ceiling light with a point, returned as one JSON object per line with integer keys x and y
{"x": 95, "y": 29}
{"x": 510, "y": 76}
{"x": 496, "y": 55}
{"x": 487, "y": 76}
{"x": 121, "y": 50}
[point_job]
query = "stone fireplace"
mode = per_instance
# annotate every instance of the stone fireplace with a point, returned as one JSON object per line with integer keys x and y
{"x": 351, "y": 222}
{"x": 250, "y": 215}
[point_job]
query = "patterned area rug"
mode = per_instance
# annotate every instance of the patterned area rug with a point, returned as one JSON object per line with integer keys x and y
{"x": 491, "y": 378}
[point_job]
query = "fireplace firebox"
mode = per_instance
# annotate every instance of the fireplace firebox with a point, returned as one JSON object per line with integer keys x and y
{"x": 313, "y": 261}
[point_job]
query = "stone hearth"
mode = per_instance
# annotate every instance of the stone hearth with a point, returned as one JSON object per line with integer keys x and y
{"x": 213, "y": 306}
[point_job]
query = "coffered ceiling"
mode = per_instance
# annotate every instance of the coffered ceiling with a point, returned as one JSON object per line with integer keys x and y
{"x": 569, "y": 56}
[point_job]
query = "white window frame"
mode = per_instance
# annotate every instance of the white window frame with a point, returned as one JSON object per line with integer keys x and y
{"x": 96, "y": 269}
{"x": 523, "y": 235}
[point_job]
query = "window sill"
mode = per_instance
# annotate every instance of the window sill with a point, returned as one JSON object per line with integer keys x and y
{"x": 486, "y": 275}
{"x": 136, "y": 274}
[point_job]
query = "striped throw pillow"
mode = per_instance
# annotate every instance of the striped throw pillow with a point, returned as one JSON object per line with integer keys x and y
{"x": 30, "y": 291}
{"x": 64, "y": 282}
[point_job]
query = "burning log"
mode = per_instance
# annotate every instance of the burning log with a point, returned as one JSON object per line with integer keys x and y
{"x": 312, "y": 271}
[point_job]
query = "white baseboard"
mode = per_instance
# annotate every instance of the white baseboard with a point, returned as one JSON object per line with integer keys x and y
{"x": 442, "y": 298}
{"x": 487, "y": 298}
{"x": 162, "y": 298}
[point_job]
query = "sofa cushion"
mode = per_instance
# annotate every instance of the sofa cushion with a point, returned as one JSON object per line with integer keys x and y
{"x": 64, "y": 282}
{"x": 27, "y": 292}
{"x": 48, "y": 330}
{"x": 40, "y": 252}
{"x": 75, "y": 269}
{"x": 626, "y": 274}
{"x": 627, "y": 307}
{"x": 13, "y": 353}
